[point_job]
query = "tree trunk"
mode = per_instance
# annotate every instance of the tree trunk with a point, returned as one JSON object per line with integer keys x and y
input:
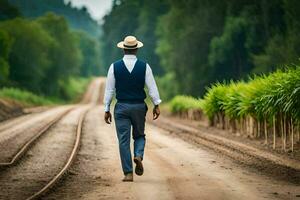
{"x": 274, "y": 133}
{"x": 284, "y": 131}
{"x": 258, "y": 129}
{"x": 281, "y": 128}
{"x": 223, "y": 121}
{"x": 292, "y": 134}
{"x": 251, "y": 122}
{"x": 298, "y": 133}
{"x": 247, "y": 126}
{"x": 266, "y": 132}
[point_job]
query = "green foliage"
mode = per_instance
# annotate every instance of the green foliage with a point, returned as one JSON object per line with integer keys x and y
{"x": 72, "y": 88}
{"x": 42, "y": 55}
{"x": 184, "y": 34}
{"x": 8, "y": 11}
{"x": 232, "y": 98}
{"x": 25, "y": 97}
{"x": 120, "y": 22}
{"x": 65, "y": 54}
{"x": 132, "y": 17}
{"x": 184, "y": 103}
{"x": 28, "y": 59}
{"x": 147, "y": 20}
{"x": 228, "y": 53}
{"x": 5, "y": 47}
{"x": 281, "y": 94}
{"x": 201, "y": 42}
{"x": 78, "y": 19}
{"x": 167, "y": 88}
{"x": 213, "y": 101}
{"x": 90, "y": 49}
{"x": 262, "y": 97}
{"x": 283, "y": 44}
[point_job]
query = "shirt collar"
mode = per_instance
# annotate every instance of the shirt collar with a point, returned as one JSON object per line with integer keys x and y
{"x": 129, "y": 57}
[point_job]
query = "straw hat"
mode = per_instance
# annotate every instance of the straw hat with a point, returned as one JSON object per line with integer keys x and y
{"x": 130, "y": 42}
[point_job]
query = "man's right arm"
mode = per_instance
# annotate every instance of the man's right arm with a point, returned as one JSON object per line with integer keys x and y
{"x": 109, "y": 93}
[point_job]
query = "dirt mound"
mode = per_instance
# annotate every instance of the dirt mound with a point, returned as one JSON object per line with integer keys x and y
{"x": 9, "y": 109}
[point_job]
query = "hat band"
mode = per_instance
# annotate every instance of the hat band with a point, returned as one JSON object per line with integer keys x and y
{"x": 128, "y": 46}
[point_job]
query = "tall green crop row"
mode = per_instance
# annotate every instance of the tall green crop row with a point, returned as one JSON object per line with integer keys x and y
{"x": 186, "y": 107}
{"x": 265, "y": 105}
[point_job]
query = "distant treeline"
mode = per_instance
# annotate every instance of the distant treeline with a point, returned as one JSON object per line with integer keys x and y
{"x": 78, "y": 18}
{"x": 43, "y": 54}
{"x": 192, "y": 43}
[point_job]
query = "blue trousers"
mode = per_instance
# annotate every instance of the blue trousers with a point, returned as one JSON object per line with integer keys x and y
{"x": 129, "y": 115}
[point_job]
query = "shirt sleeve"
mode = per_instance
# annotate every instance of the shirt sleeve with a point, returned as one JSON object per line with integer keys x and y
{"x": 109, "y": 88}
{"x": 152, "y": 87}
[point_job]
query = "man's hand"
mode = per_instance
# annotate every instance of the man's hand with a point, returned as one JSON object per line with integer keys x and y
{"x": 107, "y": 117}
{"x": 156, "y": 112}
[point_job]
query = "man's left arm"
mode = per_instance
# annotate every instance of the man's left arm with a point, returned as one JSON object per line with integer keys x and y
{"x": 153, "y": 91}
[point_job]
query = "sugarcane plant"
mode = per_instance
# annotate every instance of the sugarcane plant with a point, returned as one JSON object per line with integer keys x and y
{"x": 266, "y": 106}
{"x": 186, "y": 107}
{"x": 263, "y": 105}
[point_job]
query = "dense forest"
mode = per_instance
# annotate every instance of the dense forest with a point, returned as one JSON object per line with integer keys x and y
{"x": 189, "y": 44}
{"x": 193, "y": 43}
{"x": 78, "y": 18}
{"x": 43, "y": 54}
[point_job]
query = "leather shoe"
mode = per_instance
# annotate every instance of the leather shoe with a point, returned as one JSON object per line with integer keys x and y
{"x": 128, "y": 178}
{"x": 139, "y": 169}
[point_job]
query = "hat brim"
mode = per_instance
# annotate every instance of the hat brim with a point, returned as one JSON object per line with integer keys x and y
{"x": 121, "y": 45}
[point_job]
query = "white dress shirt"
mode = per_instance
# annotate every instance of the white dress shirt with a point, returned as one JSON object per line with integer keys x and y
{"x": 129, "y": 61}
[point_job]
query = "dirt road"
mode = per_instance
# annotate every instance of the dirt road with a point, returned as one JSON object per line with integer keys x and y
{"x": 174, "y": 169}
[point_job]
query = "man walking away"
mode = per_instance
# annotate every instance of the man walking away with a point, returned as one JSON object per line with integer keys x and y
{"x": 128, "y": 77}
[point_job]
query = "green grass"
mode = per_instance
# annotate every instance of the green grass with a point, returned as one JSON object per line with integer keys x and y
{"x": 25, "y": 97}
{"x": 73, "y": 88}
{"x": 71, "y": 91}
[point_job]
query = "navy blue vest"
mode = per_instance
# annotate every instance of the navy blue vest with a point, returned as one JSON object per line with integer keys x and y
{"x": 130, "y": 86}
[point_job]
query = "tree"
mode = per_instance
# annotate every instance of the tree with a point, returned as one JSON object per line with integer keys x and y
{"x": 78, "y": 19}
{"x": 198, "y": 42}
{"x": 120, "y": 22}
{"x": 65, "y": 55}
{"x": 147, "y": 21}
{"x": 282, "y": 47}
{"x": 133, "y": 17}
{"x": 229, "y": 55}
{"x": 8, "y": 11}
{"x": 184, "y": 34}
{"x": 5, "y": 47}
{"x": 28, "y": 58}
{"x": 90, "y": 50}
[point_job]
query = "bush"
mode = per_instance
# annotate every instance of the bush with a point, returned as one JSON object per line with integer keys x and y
{"x": 24, "y": 97}
{"x": 181, "y": 104}
{"x": 213, "y": 100}
{"x": 73, "y": 88}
